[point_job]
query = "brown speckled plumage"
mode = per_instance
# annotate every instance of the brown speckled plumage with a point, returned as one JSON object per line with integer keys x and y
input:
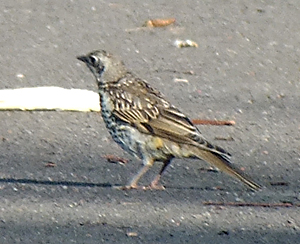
{"x": 143, "y": 123}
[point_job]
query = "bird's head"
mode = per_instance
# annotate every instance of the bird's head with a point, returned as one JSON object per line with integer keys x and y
{"x": 104, "y": 66}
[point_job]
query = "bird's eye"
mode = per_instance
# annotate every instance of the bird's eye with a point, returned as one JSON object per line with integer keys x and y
{"x": 94, "y": 61}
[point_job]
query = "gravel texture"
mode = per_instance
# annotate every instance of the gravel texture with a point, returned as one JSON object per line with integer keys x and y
{"x": 246, "y": 68}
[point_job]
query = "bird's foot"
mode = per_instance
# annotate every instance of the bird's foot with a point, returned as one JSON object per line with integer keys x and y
{"x": 155, "y": 186}
{"x": 130, "y": 187}
{"x": 152, "y": 186}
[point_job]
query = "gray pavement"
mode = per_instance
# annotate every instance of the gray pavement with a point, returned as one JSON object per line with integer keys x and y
{"x": 246, "y": 69}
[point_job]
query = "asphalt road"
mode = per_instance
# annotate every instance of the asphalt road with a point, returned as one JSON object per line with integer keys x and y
{"x": 246, "y": 68}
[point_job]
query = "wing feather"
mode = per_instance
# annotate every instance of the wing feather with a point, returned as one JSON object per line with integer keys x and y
{"x": 145, "y": 108}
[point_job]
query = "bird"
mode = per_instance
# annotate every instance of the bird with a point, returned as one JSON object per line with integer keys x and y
{"x": 141, "y": 120}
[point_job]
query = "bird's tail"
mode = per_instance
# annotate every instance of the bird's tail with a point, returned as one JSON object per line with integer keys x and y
{"x": 222, "y": 162}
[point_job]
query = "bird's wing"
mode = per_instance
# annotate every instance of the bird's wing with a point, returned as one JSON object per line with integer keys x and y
{"x": 145, "y": 108}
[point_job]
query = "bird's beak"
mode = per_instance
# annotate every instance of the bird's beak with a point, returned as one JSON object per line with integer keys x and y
{"x": 82, "y": 58}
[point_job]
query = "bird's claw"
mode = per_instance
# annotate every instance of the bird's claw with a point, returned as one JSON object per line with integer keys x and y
{"x": 149, "y": 187}
{"x": 153, "y": 186}
{"x": 129, "y": 187}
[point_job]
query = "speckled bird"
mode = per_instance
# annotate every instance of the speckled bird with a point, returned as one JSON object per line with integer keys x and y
{"x": 146, "y": 125}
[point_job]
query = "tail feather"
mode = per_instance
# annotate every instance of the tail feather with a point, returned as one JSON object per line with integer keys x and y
{"x": 223, "y": 164}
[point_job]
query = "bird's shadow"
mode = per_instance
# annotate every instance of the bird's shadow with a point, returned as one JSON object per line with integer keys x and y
{"x": 54, "y": 183}
{"x": 90, "y": 184}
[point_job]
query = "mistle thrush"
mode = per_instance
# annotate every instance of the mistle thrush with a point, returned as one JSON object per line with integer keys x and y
{"x": 145, "y": 124}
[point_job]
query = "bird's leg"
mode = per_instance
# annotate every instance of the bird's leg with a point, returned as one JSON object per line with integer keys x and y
{"x": 155, "y": 183}
{"x": 133, "y": 184}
